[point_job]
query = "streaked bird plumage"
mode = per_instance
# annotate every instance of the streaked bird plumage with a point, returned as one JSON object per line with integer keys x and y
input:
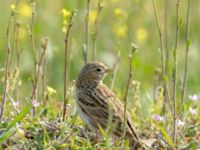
{"x": 96, "y": 103}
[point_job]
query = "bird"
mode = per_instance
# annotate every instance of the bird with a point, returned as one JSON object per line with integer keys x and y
{"x": 99, "y": 106}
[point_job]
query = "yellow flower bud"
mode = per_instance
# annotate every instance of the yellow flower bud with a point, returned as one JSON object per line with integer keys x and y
{"x": 65, "y": 13}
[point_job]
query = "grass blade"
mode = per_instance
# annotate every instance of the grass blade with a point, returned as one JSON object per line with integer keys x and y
{"x": 169, "y": 140}
{"x": 19, "y": 117}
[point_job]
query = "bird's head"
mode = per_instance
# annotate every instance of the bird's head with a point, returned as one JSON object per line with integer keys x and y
{"x": 94, "y": 71}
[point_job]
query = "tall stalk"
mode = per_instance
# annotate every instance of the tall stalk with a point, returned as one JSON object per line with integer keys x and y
{"x": 187, "y": 46}
{"x": 66, "y": 62}
{"x": 167, "y": 51}
{"x": 7, "y": 66}
{"x": 133, "y": 50}
{"x": 87, "y": 42}
{"x": 35, "y": 57}
{"x": 44, "y": 48}
{"x": 96, "y": 29}
{"x": 174, "y": 71}
{"x": 166, "y": 87}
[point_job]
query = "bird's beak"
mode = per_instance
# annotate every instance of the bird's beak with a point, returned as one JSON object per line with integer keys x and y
{"x": 109, "y": 70}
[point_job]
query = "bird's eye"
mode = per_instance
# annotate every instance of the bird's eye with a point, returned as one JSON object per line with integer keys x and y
{"x": 98, "y": 69}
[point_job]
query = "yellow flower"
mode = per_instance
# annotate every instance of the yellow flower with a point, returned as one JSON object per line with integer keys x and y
{"x": 121, "y": 31}
{"x": 93, "y": 16}
{"x": 65, "y": 13}
{"x": 141, "y": 34}
{"x": 25, "y": 10}
{"x": 12, "y": 7}
{"x": 119, "y": 13}
{"x": 50, "y": 90}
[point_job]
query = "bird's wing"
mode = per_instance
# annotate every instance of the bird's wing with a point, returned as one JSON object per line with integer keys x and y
{"x": 119, "y": 112}
{"x": 96, "y": 110}
{"x": 101, "y": 103}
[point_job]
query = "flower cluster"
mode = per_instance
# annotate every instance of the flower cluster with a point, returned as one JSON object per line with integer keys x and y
{"x": 65, "y": 17}
{"x": 120, "y": 28}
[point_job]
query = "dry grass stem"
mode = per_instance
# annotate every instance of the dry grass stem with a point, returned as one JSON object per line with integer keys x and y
{"x": 134, "y": 48}
{"x": 66, "y": 60}
{"x": 174, "y": 72}
{"x": 160, "y": 37}
{"x": 167, "y": 51}
{"x": 87, "y": 31}
{"x": 35, "y": 57}
{"x": 44, "y": 77}
{"x": 96, "y": 28}
{"x": 15, "y": 30}
{"x": 166, "y": 86}
{"x": 6, "y": 72}
{"x": 44, "y": 47}
{"x": 187, "y": 46}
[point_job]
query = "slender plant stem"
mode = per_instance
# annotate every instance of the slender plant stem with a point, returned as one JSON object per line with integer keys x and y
{"x": 16, "y": 44}
{"x": 44, "y": 47}
{"x": 187, "y": 44}
{"x": 66, "y": 62}
{"x": 87, "y": 32}
{"x": 32, "y": 40}
{"x": 15, "y": 28}
{"x": 161, "y": 40}
{"x": 166, "y": 87}
{"x": 44, "y": 76}
{"x": 6, "y": 72}
{"x": 134, "y": 48}
{"x": 166, "y": 36}
{"x": 16, "y": 36}
{"x": 174, "y": 73}
{"x": 18, "y": 59}
{"x": 35, "y": 58}
{"x": 96, "y": 29}
{"x": 17, "y": 47}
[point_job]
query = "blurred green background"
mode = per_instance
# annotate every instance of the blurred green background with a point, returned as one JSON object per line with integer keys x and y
{"x": 121, "y": 23}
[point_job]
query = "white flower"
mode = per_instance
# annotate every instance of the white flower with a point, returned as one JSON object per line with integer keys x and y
{"x": 180, "y": 123}
{"x": 16, "y": 104}
{"x": 192, "y": 111}
{"x": 35, "y": 103}
{"x": 193, "y": 97}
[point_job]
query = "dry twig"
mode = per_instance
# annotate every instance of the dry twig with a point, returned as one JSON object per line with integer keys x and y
{"x": 96, "y": 29}
{"x": 187, "y": 45}
{"x": 174, "y": 72}
{"x": 44, "y": 47}
{"x": 66, "y": 61}
{"x": 86, "y": 47}
{"x": 134, "y": 48}
{"x": 34, "y": 53}
{"x": 166, "y": 86}
{"x": 7, "y": 66}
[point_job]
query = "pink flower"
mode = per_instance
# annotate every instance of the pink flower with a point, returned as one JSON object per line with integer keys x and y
{"x": 192, "y": 111}
{"x": 193, "y": 97}
{"x": 16, "y": 104}
{"x": 157, "y": 117}
{"x": 35, "y": 103}
{"x": 180, "y": 123}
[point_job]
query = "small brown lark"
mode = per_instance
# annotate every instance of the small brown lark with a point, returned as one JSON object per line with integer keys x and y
{"x": 96, "y": 103}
